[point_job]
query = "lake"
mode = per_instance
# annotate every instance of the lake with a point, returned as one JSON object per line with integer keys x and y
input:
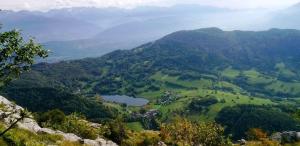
{"x": 130, "y": 101}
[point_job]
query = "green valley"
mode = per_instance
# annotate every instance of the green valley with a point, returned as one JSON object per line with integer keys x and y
{"x": 199, "y": 74}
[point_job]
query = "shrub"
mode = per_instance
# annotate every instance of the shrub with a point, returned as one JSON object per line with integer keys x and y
{"x": 117, "y": 130}
{"x": 73, "y": 123}
{"x": 55, "y": 117}
{"x": 144, "y": 138}
{"x": 256, "y": 134}
{"x": 184, "y": 132}
{"x": 201, "y": 104}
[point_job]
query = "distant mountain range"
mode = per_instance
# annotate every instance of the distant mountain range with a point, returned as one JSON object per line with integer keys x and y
{"x": 288, "y": 18}
{"x": 45, "y": 28}
{"x": 74, "y": 33}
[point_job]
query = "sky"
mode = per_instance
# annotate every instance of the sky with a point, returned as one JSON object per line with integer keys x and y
{"x": 44, "y": 5}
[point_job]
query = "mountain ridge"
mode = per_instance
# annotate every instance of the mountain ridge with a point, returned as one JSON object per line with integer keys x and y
{"x": 202, "y": 51}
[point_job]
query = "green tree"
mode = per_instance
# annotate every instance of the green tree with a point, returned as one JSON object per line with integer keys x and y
{"x": 17, "y": 55}
{"x": 56, "y": 117}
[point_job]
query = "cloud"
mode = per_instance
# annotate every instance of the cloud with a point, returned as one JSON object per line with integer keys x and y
{"x": 50, "y": 4}
{"x": 27, "y": 6}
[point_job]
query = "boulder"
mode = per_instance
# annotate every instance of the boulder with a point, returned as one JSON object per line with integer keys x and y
{"x": 46, "y": 131}
{"x": 98, "y": 142}
{"x": 161, "y": 143}
{"x": 95, "y": 125}
{"x": 91, "y": 142}
{"x": 288, "y": 136}
{"x": 69, "y": 136}
{"x": 276, "y": 137}
{"x": 242, "y": 142}
{"x": 298, "y": 136}
{"x": 30, "y": 125}
{"x": 104, "y": 142}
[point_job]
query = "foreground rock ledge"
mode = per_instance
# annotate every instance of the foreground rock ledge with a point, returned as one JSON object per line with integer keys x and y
{"x": 31, "y": 125}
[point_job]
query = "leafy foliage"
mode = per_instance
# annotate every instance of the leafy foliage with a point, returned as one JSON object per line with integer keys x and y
{"x": 256, "y": 134}
{"x": 184, "y": 132}
{"x": 118, "y": 131}
{"x": 143, "y": 138}
{"x": 73, "y": 123}
{"x": 55, "y": 117}
{"x": 16, "y": 55}
{"x": 239, "y": 119}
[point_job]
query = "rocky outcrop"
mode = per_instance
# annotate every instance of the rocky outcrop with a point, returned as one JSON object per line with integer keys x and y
{"x": 286, "y": 136}
{"x": 9, "y": 112}
{"x": 98, "y": 141}
{"x": 161, "y": 143}
{"x": 242, "y": 142}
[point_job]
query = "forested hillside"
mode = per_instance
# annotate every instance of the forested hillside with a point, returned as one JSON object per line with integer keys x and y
{"x": 205, "y": 74}
{"x": 267, "y": 59}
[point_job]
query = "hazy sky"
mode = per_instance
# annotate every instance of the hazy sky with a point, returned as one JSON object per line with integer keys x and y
{"x": 50, "y": 4}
